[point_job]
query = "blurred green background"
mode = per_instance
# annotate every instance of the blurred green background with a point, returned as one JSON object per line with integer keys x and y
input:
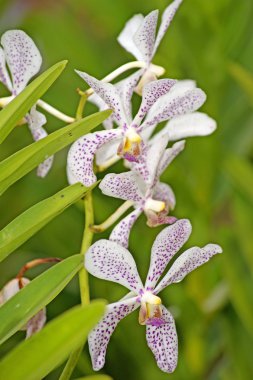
{"x": 209, "y": 41}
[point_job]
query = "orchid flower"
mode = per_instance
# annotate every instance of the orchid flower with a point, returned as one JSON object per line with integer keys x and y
{"x": 24, "y": 61}
{"x": 37, "y": 322}
{"x": 110, "y": 261}
{"x": 141, "y": 186}
{"x": 157, "y": 105}
{"x": 140, "y": 39}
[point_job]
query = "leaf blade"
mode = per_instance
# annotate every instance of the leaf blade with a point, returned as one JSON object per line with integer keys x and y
{"x": 15, "y": 313}
{"x": 36, "y": 217}
{"x": 47, "y": 349}
{"x": 20, "y": 163}
{"x": 21, "y": 104}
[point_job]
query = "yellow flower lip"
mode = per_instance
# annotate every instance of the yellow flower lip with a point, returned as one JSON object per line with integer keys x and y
{"x": 154, "y": 205}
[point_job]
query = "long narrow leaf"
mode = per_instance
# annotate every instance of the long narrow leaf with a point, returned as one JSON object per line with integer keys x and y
{"x": 34, "y": 358}
{"x": 20, "y": 105}
{"x": 38, "y": 293}
{"x": 20, "y": 163}
{"x": 36, "y": 217}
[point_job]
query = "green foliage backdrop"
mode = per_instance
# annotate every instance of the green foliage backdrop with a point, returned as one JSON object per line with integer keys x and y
{"x": 209, "y": 41}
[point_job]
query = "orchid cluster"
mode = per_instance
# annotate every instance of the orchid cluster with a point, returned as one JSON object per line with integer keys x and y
{"x": 146, "y": 154}
{"x": 146, "y": 149}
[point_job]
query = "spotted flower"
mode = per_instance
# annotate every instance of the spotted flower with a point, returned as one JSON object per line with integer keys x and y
{"x": 141, "y": 186}
{"x": 110, "y": 261}
{"x": 139, "y": 37}
{"x": 158, "y": 104}
{"x": 23, "y": 59}
{"x": 37, "y": 322}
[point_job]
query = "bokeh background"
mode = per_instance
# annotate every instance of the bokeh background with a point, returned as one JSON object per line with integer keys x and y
{"x": 209, "y": 41}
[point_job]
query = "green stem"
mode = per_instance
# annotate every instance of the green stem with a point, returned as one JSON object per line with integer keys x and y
{"x": 83, "y": 280}
{"x": 83, "y": 274}
{"x": 81, "y": 105}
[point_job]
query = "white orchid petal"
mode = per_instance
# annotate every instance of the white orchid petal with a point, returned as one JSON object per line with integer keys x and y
{"x": 151, "y": 92}
{"x": 102, "y": 106}
{"x": 122, "y": 186}
{"x": 110, "y": 261}
{"x": 189, "y": 125}
{"x": 36, "y": 120}
{"x": 163, "y": 192}
{"x": 82, "y": 152}
{"x": 126, "y": 36}
{"x": 174, "y": 104}
{"x": 126, "y": 88}
{"x": 22, "y": 56}
{"x": 169, "y": 155}
{"x": 120, "y": 233}
{"x": 144, "y": 37}
{"x": 109, "y": 94}
{"x": 163, "y": 342}
{"x": 186, "y": 263}
{"x": 165, "y": 246}
{"x": 100, "y": 336}
{"x": 4, "y": 75}
{"x": 167, "y": 17}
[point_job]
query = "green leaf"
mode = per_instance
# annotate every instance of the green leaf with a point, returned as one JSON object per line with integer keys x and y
{"x": 240, "y": 172}
{"x": 38, "y": 293}
{"x": 34, "y": 358}
{"x": 36, "y": 217}
{"x": 20, "y": 163}
{"x": 244, "y": 78}
{"x": 21, "y": 104}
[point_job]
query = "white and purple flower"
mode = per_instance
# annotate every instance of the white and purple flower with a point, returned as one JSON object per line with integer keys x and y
{"x": 23, "y": 59}
{"x": 139, "y": 37}
{"x": 110, "y": 261}
{"x": 142, "y": 187}
{"x": 158, "y": 104}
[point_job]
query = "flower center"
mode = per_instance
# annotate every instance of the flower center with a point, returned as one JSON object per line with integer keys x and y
{"x": 150, "y": 310}
{"x": 154, "y": 205}
{"x": 130, "y": 148}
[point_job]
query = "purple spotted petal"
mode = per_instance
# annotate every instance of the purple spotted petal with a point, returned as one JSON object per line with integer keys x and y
{"x": 169, "y": 156}
{"x": 165, "y": 246}
{"x": 107, "y": 152}
{"x": 126, "y": 36}
{"x": 148, "y": 161}
{"x": 22, "y": 56}
{"x": 81, "y": 154}
{"x": 174, "y": 104}
{"x": 144, "y": 38}
{"x": 35, "y": 121}
{"x": 167, "y": 17}
{"x": 110, "y": 261}
{"x": 36, "y": 323}
{"x": 151, "y": 92}
{"x": 4, "y": 75}
{"x": 120, "y": 233}
{"x": 102, "y": 106}
{"x": 186, "y": 263}
{"x": 163, "y": 192}
{"x": 162, "y": 340}
{"x": 100, "y": 336}
{"x": 123, "y": 186}
{"x": 193, "y": 124}
{"x": 109, "y": 94}
{"x": 126, "y": 88}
